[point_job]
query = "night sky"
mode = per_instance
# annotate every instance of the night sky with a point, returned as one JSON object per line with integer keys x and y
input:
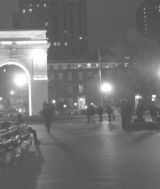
{"x": 107, "y": 19}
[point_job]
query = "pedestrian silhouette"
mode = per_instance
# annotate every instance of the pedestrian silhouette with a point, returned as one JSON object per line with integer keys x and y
{"x": 153, "y": 111}
{"x": 47, "y": 114}
{"x": 100, "y": 112}
{"x": 90, "y": 111}
{"x": 109, "y": 112}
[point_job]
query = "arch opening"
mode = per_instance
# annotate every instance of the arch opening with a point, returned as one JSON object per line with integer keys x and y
{"x": 26, "y": 72}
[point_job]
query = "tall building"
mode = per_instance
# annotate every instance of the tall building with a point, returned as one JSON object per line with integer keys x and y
{"x": 64, "y": 20}
{"x": 148, "y": 18}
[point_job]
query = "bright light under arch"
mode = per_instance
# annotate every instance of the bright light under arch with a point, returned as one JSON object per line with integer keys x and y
{"x": 20, "y": 79}
{"x": 28, "y": 77}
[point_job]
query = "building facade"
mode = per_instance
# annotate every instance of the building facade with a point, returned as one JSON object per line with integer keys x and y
{"x": 76, "y": 82}
{"x": 148, "y": 18}
{"x": 64, "y": 20}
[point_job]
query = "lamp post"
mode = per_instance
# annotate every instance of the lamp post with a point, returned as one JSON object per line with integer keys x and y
{"x": 100, "y": 73}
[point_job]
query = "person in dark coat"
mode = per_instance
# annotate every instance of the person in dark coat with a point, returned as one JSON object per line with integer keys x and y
{"x": 19, "y": 119}
{"x": 123, "y": 113}
{"x": 90, "y": 111}
{"x": 109, "y": 112}
{"x": 47, "y": 114}
{"x": 129, "y": 112}
{"x": 100, "y": 112}
{"x": 153, "y": 111}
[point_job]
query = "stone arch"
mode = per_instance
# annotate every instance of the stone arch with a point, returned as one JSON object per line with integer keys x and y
{"x": 28, "y": 50}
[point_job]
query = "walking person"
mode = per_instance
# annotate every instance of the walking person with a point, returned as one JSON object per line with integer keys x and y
{"x": 47, "y": 114}
{"x": 123, "y": 113}
{"x": 90, "y": 113}
{"x": 109, "y": 112}
{"x": 128, "y": 113}
{"x": 100, "y": 112}
{"x": 153, "y": 112}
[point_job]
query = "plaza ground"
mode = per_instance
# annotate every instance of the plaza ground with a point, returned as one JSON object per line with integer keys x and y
{"x": 77, "y": 155}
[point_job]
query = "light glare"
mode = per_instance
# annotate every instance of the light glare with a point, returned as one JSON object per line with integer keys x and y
{"x": 106, "y": 88}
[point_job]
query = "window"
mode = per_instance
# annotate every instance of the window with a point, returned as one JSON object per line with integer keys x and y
{"x": 55, "y": 24}
{"x": 70, "y": 89}
{"x": 81, "y": 89}
{"x": 80, "y": 75}
{"x": 89, "y": 65}
{"x": 37, "y": 5}
{"x": 60, "y": 76}
{"x": 79, "y": 65}
{"x": 46, "y": 24}
{"x": 65, "y": 43}
{"x": 30, "y": 10}
{"x": 24, "y": 11}
{"x": 44, "y": 5}
{"x": 69, "y": 76}
{"x": 52, "y": 76}
{"x": 89, "y": 74}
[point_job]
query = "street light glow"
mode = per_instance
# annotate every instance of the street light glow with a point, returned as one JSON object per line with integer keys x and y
{"x": 53, "y": 101}
{"x": 20, "y": 80}
{"x": 12, "y": 92}
{"x": 106, "y": 88}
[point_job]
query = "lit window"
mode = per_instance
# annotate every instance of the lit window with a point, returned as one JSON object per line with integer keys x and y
{"x": 65, "y": 31}
{"x": 24, "y": 11}
{"x": 89, "y": 65}
{"x": 65, "y": 43}
{"x": 44, "y": 5}
{"x": 30, "y": 10}
{"x": 79, "y": 65}
{"x": 81, "y": 88}
{"x": 55, "y": 44}
{"x": 46, "y": 23}
{"x": 37, "y": 5}
{"x": 80, "y": 38}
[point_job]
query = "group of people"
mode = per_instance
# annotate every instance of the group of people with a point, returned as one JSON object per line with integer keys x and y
{"x": 127, "y": 112}
{"x": 92, "y": 110}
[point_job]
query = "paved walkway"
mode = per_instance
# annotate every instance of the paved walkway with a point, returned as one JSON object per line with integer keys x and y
{"x": 77, "y": 155}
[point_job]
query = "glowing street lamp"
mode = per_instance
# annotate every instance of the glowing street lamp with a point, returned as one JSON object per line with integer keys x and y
{"x": 75, "y": 104}
{"x": 20, "y": 80}
{"x": 12, "y": 93}
{"x": 53, "y": 101}
{"x": 106, "y": 88}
